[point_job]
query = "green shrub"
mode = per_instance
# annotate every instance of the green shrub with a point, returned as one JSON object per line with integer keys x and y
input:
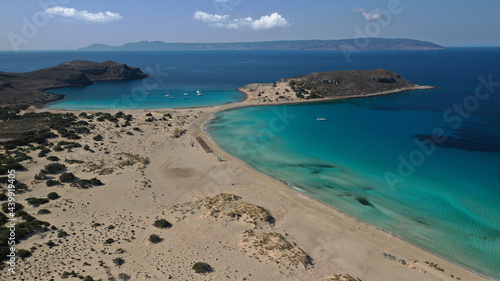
{"x": 154, "y": 238}
{"x": 53, "y": 158}
{"x": 97, "y": 138}
{"x": 201, "y": 267}
{"x": 71, "y": 161}
{"x": 58, "y": 148}
{"x": 23, "y": 253}
{"x": 109, "y": 241}
{"x": 3, "y": 219}
{"x": 43, "y": 212}
{"x": 43, "y": 152}
{"x": 53, "y": 195}
{"x": 50, "y": 243}
{"x": 25, "y": 216}
{"x": 35, "y": 202}
{"x": 123, "y": 276}
{"x": 61, "y": 233}
{"x": 162, "y": 223}
{"x": 3, "y": 196}
{"x": 54, "y": 168}
{"x": 52, "y": 182}
{"x": 83, "y": 183}
{"x": 15, "y": 207}
{"x": 42, "y": 175}
{"x": 118, "y": 261}
{"x": 66, "y": 177}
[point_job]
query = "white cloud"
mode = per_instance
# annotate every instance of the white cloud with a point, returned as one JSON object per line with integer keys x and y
{"x": 369, "y": 16}
{"x": 268, "y": 22}
{"x": 205, "y": 17}
{"x": 83, "y": 15}
{"x": 265, "y": 22}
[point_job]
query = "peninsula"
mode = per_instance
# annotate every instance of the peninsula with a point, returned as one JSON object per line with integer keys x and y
{"x": 29, "y": 88}
{"x": 322, "y": 86}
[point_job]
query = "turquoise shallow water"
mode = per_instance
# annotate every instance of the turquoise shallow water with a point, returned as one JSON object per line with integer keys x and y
{"x": 447, "y": 202}
{"x": 124, "y": 95}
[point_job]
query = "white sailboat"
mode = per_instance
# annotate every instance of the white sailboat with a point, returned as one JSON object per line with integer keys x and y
{"x": 198, "y": 93}
{"x": 322, "y": 118}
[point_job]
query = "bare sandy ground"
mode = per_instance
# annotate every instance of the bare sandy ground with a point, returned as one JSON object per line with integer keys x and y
{"x": 151, "y": 175}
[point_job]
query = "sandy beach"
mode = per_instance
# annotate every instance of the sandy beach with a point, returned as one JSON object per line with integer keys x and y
{"x": 245, "y": 225}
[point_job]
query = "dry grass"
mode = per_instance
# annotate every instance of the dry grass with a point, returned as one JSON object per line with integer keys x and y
{"x": 228, "y": 206}
{"x": 277, "y": 248}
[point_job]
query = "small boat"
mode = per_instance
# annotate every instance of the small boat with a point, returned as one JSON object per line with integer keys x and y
{"x": 198, "y": 93}
{"x": 185, "y": 94}
{"x": 147, "y": 93}
{"x": 322, "y": 118}
{"x": 170, "y": 97}
{"x": 186, "y": 97}
{"x": 167, "y": 95}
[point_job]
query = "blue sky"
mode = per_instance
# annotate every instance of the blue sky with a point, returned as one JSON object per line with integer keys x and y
{"x": 71, "y": 24}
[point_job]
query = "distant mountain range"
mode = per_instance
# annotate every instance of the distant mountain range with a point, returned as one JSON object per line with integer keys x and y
{"x": 344, "y": 44}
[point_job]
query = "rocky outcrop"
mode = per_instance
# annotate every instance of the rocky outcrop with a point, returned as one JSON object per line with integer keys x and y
{"x": 346, "y": 83}
{"x": 29, "y": 88}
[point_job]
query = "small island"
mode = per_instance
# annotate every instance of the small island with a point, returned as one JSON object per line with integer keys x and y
{"x": 30, "y": 88}
{"x": 322, "y": 86}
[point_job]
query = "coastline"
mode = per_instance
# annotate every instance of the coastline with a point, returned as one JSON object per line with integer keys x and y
{"x": 337, "y": 242}
{"x": 302, "y": 194}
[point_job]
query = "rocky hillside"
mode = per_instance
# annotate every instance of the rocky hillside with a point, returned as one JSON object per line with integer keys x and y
{"x": 29, "y": 88}
{"x": 346, "y": 83}
{"x": 330, "y": 85}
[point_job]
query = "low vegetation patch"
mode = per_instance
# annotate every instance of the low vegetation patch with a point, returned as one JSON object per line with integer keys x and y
{"x": 54, "y": 168}
{"x": 53, "y": 196}
{"x": 85, "y": 184}
{"x": 36, "y": 202}
{"x": 277, "y": 248}
{"x": 154, "y": 238}
{"x": 53, "y": 158}
{"x": 52, "y": 182}
{"x": 43, "y": 212}
{"x": 162, "y": 223}
{"x": 202, "y": 267}
{"x": 118, "y": 261}
{"x": 66, "y": 177}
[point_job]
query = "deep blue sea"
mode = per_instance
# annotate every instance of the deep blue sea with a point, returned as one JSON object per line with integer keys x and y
{"x": 421, "y": 164}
